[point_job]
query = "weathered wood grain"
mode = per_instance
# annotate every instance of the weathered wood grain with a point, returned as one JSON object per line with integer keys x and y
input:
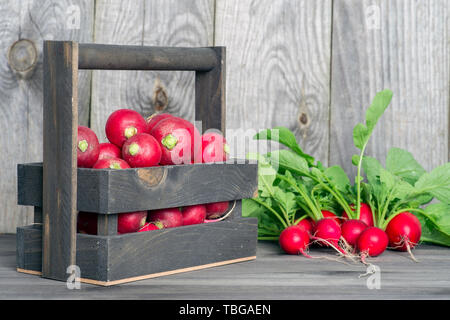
{"x": 21, "y": 93}
{"x": 115, "y": 191}
{"x": 59, "y": 174}
{"x": 278, "y": 69}
{"x": 152, "y": 23}
{"x": 403, "y": 46}
{"x": 108, "y": 259}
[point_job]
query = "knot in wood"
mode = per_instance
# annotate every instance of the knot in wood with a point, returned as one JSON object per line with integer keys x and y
{"x": 22, "y": 57}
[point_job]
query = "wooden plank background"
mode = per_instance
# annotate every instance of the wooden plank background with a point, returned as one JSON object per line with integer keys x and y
{"x": 310, "y": 65}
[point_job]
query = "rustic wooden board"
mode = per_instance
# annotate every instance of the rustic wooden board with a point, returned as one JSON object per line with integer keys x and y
{"x": 403, "y": 46}
{"x": 135, "y": 256}
{"x": 278, "y": 69}
{"x": 59, "y": 174}
{"x": 151, "y": 23}
{"x": 115, "y": 191}
{"x": 21, "y": 92}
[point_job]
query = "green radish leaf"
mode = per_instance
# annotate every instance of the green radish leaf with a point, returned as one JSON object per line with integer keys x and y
{"x": 402, "y": 163}
{"x": 338, "y": 178}
{"x": 361, "y": 132}
{"x": 286, "y": 200}
{"x": 431, "y": 231}
{"x": 436, "y": 183}
{"x": 284, "y": 136}
{"x": 355, "y": 159}
{"x": 440, "y": 213}
{"x": 289, "y": 161}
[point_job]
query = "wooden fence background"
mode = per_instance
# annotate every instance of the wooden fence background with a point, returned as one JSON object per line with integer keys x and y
{"x": 310, "y": 65}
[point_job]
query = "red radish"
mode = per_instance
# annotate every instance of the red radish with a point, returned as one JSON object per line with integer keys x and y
{"x": 214, "y": 148}
{"x": 111, "y": 163}
{"x": 169, "y": 218}
{"x": 365, "y": 214}
{"x": 215, "y": 210}
{"x": 351, "y": 229}
{"x": 122, "y": 124}
{"x": 404, "y": 231}
{"x": 109, "y": 150}
{"x": 179, "y": 139}
{"x": 141, "y": 150}
{"x": 126, "y": 222}
{"x": 306, "y": 224}
{"x": 330, "y": 215}
{"x": 151, "y": 226}
{"x": 328, "y": 233}
{"x": 87, "y": 147}
{"x": 294, "y": 240}
{"x": 131, "y": 221}
{"x": 372, "y": 242}
{"x": 194, "y": 214}
{"x": 154, "y": 119}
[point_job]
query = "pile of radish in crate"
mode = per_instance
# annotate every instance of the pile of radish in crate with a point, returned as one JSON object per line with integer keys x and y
{"x": 159, "y": 140}
{"x": 301, "y": 203}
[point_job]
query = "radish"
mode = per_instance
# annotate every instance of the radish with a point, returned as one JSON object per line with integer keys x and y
{"x": 306, "y": 224}
{"x": 122, "y": 124}
{"x": 294, "y": 240}
{"x": 194, "y": 214}
{"x": 111, "y": 163}
{"x": 154, "y": 119}
{"x": 404, "y": 231}
{"x": 151, "y": 226}
{"x": 351, "y": 230}
{"x": 87, "y": 147}
{"x": 126, "y": 222}
{"x": 215, "y": 210}
{"x": 372, "y": 242}
{"x": 109, "y": 150}
{"x": 328, "y": 233}
{"x": 169, "y": 218}
{"x": 179, "y": 139}
{"x": 365, "y": 214}
{"x": 330, "y": 215}
{"x": 141, "y": 150}
{"x": 214, "y": 148}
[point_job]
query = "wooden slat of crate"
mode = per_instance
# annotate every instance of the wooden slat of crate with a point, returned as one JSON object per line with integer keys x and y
{"x": 116, "y": 191}
{"x": 109, "y": 260}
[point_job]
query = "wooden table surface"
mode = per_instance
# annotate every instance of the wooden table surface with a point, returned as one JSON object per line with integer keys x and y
{"x": 272, "y": 276}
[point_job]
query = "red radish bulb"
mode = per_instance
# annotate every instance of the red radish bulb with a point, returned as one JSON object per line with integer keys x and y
{"x": 404, "y": 231}
{"x": 87, "y": 222}
{"x": 194, "y": 214}
{"x": 151, "y": 226}
{"x": 328, "y": 233}
{"x": 154, "y": 119}
{"x": 330, "y": 215}
{"x": 214, "y": 148}
{"x": 87, "y": 147}
{"x": 372, "y": 242}
{"x": 169, "y": 218}
{"x": 122, "y": 124}
{"x": 294, "y": 240}
{"x": 215, "y": 210}
{"x": 306, "y": 224}
{"x": 109, "y": 150}
{"x": 111, "y": 163}
{"x": 141, "y": 150}
{"x": 365, "y": 214}
{"x": 351, "y": 229}
{"x": 179, "y": 139}
{"x": 131, "y": 221}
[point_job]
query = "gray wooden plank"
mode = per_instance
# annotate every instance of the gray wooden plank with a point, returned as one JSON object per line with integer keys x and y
{"x": 21, "y": 102}
{"x": 278, "y": 69}
{"x": 59, "y": 174}
{"x": 403, "y": 46}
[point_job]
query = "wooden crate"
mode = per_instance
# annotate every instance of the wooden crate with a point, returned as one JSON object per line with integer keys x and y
{"x": 58, "y": 189}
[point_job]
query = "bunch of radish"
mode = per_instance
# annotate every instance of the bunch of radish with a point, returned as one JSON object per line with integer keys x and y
{"x": 158, "y": 140}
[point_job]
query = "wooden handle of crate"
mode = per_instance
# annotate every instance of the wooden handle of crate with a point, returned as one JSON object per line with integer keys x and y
{"x": 62, "y": 59}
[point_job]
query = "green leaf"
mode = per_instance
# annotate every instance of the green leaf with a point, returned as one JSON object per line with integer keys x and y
{"x": 436, "y": 183}
{"x": 440, "y": 213}
{"x": 402, "y": 163}
{"x": 289, "y": 160}
{"x": 431, "y": 231}
{"x": 361, "y": 132}
{"x": 284, "y": 136}
{"x": 338, "y": 178}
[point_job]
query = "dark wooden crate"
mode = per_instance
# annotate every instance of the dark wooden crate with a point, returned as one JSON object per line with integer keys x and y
{"x": 58, "y": 189}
